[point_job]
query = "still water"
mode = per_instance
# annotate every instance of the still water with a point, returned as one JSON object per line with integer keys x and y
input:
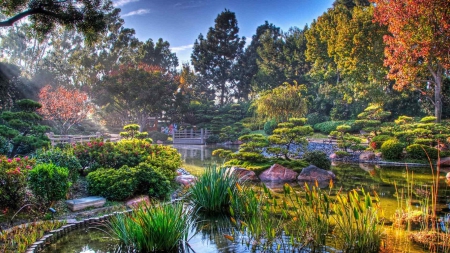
{"x": 207, "y": 236}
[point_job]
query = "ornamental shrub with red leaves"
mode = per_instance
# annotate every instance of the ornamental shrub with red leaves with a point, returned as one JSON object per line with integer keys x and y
{"x": 13, "y": 180}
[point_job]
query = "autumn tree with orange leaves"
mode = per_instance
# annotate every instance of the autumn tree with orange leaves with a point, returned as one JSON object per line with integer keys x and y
{"x": 64, "y": 107}
{"x": 418, "y": 46}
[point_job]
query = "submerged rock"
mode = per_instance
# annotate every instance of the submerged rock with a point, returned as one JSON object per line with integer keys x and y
{"x": 278, "y": 173}
{"x": 313, "y": 173}
{"x": 243, "y": 174}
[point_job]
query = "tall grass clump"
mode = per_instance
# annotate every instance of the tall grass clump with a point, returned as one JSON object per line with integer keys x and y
{"x": 210, "y": 193}
{"x": 153, "y": 227}
{"x": 357, "y": 222}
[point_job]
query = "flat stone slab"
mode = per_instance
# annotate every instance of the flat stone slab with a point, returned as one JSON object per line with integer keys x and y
{"x": 80, "y": 204}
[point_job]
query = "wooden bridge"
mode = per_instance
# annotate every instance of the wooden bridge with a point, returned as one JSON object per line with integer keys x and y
{"x": 63, "y": 139}
{"x": 190, "y": 137}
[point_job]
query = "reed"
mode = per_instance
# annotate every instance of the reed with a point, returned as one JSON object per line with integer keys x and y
{"x": 357, "y": 223}
{"x": 211, "y": 191}
{"x": 153, "y": 227}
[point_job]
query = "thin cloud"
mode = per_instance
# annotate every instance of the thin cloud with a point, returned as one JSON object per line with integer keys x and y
{"x": 181, "y": 48}
{"x": 189, "y": 4}
{"x": 137, "y": 12}
{"x": 120, "y": 3}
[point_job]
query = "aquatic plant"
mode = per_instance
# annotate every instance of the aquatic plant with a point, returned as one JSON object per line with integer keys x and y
{"x": 151, "y": 228}
{"x": 210, "y": 193}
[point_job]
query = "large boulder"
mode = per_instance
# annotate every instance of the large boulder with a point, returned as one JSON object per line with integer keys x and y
{"x": 278, "y": 173}
{"x": 243, "y": 174}
{"x": 186, "y": 180}
{"x": 367, "y": 156}
{"x": 312, "y": 173}
{"x": 444, "y": 162}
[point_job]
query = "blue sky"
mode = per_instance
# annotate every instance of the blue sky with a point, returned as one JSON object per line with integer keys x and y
{"x": 181, "y": 21}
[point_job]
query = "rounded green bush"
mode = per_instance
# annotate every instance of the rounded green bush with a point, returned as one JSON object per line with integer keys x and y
{"x": 392, "y": 149}
{"x": 113, "y": 184}
{"x": 49, "y": 182}
{"x": 61, "y": 158}
{"x": 318, "y": 158}
{"x": 158, "y": 136}
{"x": 418, "y": 151}
{"x": 269, "y": 126}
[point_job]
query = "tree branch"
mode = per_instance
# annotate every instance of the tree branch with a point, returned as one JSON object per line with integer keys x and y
{"x": 26, "y": 13}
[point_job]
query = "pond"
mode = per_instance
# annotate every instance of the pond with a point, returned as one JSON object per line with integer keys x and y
{"x": 208, "y": 234}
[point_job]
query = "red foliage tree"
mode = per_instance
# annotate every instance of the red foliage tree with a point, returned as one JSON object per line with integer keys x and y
{"x": 64, "y": 107}
{"x": 418, "y": 46}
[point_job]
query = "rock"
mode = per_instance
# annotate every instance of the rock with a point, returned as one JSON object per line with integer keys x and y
{"x": 80, "y": 204}
{"x": 378, "y": 155}
{"x": 243, "y": 174}
{"x": 159, "y": 142}
{"x": 186, "y": 180}
{"x": 278, "y": 173}
{"x": 367, "y": 156}
{"x": 447, "y": 176}
{"x": 442, "y": 147}
{"x": 134, "y": 202}
{"x": 312, "y": 173}
{"x": 444, "y": 162}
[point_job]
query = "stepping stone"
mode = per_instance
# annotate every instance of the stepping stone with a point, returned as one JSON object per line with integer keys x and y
{"x": 80, "y": 204}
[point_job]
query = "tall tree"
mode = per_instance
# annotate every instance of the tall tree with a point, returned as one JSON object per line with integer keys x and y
{"x": 86, "y": 16}
{"x": 215, "y": 57}
{"x": 138, "y": 91}
{"x": 417, "y": 46}
{"x": 64, "y": 107}
{"x": 247, "y": 67}
{"x": 158, "y": 54}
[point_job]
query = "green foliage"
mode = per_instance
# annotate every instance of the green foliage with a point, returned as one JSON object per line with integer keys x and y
{"x": 328, "y": 126}
{"x": 404, "y": 120}
{"x": 153, "y": 227}
{"x": 119, "y": 184}
{"x": 212, "y": 139}
{"x": 318, "y": 158}
{"x": 269, "y": 126}
{"x": 342, "y": 154}
{"x": 282, "y": 103}
{"x": 22, "y": 129}
{"x": 288, "y": 134}
{"x": 423, "y": 141}
{"x": 428, "y": 119}
{"x": 61, "y": 158}
{"x": 49, "y": 182}
{"x": 98, "y": 154}
{"x": 392, "y": 149}
{"x": 316, "y": 118}
{"x": 13, "y": 180}
{"x": 113, "y": 184}
{"x": 422, "y": 152}
{"x": 211, "y": 191}
{"x": 132, "y": 132}
{"x": 379, "y": 140}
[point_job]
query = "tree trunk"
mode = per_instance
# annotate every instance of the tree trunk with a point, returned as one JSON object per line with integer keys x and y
{"x": 438, "y": 99}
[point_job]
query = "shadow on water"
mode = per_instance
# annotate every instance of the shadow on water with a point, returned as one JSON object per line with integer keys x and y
{"x": 208, "y": 234}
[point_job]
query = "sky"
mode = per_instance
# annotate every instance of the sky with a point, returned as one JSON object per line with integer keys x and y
{"x": 181, "y": 21}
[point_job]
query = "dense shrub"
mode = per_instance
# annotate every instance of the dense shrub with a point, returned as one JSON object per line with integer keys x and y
{"x": 328, "y": 126}
{"x": 252, "y": 123}
{"x": 342, "y": 154}
{"x": 119, "y": 184}
{"x": 13, "y": 180}
{"x": 392, "y": 149}
{"x": 114, "y": 184}
{"x": 378, "y": 140}
{"x": 269, "y": 126}
{"x": 318, "y": 158}
{"x": 49, "y": 182}
{"x": 158, "y": 136}
{"x": 315, "y": 118}
{"x": 418, "y": 151}
{"x": 424, "y": 141}
{"x": 61, "y": 158}
{"x": 428, "y": 119}
{"x": 98, "y": 154}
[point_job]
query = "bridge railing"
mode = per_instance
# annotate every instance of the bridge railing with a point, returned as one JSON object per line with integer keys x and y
{"x": 190, "y": 136}
{"x": 62, "y": 139}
